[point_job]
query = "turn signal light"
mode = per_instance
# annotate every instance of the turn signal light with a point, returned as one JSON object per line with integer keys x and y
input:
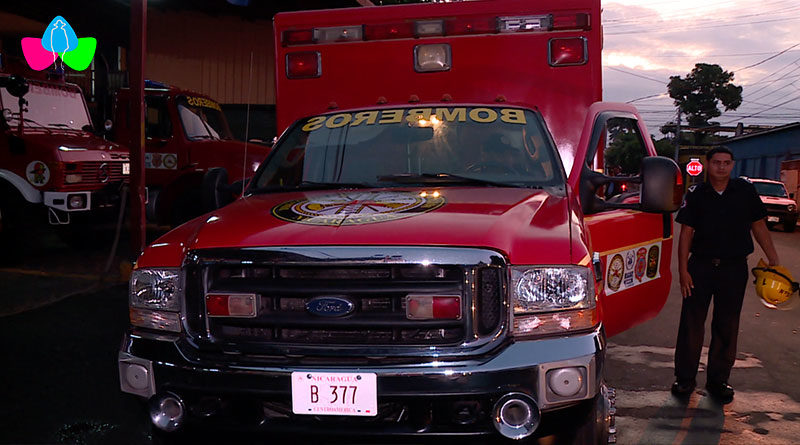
{"x": 430, "y": 307}
{"x": 231, "y": 305}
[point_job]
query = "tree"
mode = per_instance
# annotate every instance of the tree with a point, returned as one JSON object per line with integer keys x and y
{"x": 626, "y": 152}
{"x": 700, "y": 93}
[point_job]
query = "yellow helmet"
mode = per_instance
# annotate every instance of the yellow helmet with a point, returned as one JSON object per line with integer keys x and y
{"x": 775, "y": 286}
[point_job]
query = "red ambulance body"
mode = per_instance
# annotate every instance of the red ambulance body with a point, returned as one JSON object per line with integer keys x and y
{"x": 433, "y": 246}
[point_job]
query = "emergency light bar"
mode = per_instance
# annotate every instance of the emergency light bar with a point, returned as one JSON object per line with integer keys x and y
{"x": 438, "y": 28}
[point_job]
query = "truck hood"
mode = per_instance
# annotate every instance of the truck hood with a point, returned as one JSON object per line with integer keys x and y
{"x": 229, "y": 154}
{"x": 530, "y": 226}
{"x": 775, "y": 200}
{"x": 75, "y": 146}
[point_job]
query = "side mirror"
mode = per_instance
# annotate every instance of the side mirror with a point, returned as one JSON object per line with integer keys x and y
{"x": 662, "y": 190}
{"x": 791, "y": 195}
{"x": 216, "y": 192}
{"x": 107, "y": 125}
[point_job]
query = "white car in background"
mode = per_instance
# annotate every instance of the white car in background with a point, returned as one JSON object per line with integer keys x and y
{"x": 780, "y": 208}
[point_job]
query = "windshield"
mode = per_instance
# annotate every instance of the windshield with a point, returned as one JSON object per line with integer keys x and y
{"x": 51, "y": 106}
{"x": 384, "y": 148}
{"x": 770, "y": 189}
{"x": 202, "y": 119}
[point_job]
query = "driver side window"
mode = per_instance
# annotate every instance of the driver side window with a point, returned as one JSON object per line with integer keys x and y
{"x": 157, "y": 123}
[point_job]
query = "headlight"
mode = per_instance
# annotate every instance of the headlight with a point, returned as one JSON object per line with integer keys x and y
{"x": 550, "y": 288}
{"x": 548, "y": 300}
{"x": 791, "y": 207}
{"x": 159, "y": 289}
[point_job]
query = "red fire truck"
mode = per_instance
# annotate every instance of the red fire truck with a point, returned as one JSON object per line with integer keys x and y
{"x": 432, "y": 247}
{"x": 186, "y": 136}
{"x": 53, "y": 167}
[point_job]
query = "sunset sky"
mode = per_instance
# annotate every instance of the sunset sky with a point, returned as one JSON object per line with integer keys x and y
{"x": 647, "y": 41}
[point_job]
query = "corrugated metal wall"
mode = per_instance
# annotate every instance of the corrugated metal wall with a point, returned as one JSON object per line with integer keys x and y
{"x": 211, "y": 55}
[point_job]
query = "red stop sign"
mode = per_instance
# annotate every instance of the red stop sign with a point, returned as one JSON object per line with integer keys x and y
{"x": 694, "y": 167}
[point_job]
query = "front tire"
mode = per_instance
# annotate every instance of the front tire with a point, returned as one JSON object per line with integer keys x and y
{"x": 599, "y": 421}
{"x": 789, "y": 224}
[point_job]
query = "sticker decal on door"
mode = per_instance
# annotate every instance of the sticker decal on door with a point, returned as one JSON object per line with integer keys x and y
{"x": 640, "y": 266}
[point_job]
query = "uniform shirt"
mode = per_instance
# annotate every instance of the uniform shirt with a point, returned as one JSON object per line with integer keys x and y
{"x": 722, "y": 222}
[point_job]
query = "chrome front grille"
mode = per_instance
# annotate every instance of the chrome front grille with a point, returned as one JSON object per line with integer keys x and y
{"x": 94, "y": 175}
{"x": 376, "y": 280}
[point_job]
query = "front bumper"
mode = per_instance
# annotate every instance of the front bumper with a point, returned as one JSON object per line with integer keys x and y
{"x": 783, "y": 214}
{"x": 419, "y": 399}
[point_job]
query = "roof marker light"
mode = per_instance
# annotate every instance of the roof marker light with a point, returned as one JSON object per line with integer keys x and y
{"x": 338, "y": 34}
{"x": 562, "y": 22}
{"x": 298, "y": 37}
{"x": 471, "y": 25}
{"x": 429, "y": 28}
{"x": 386, "y": 31}
{"x": 524, "y": 23}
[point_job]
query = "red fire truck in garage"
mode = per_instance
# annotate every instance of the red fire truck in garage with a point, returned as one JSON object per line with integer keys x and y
{"x": 186, "y": 137}
{"x": 430, "y": 249}
{"x": 53, "y": 166}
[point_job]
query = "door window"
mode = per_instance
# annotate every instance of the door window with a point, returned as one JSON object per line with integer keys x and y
{"x": 157, "y": 124}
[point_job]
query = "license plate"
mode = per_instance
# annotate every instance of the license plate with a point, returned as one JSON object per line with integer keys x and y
{"x": 334, "y": 393}
{"x": 772, "y": 219}
{"x": 126, "y": 168}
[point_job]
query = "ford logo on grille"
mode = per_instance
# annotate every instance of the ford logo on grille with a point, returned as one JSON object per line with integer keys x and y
{"x": 330, "y": 306}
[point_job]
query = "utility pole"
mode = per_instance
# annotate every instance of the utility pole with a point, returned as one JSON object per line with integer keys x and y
{"x": 136, "y": 145}
{"x": 678, "y": 135}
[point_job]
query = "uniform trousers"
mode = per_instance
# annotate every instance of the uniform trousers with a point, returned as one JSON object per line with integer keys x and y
{"x": 725, "y": 282}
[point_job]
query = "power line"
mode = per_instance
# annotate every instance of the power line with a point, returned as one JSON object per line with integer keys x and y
{"x": 637, "y": 75}
{"x": 700, "y": 26}
{"x": 683, "y": 12}
{"x": 645, "y": 97}
{"x": 767, "y": 59}
{"x": 759, "y": 112}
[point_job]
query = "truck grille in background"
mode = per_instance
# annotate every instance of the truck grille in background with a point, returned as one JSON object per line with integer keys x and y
{"x": 92, "y": 178}
{"x": 377, "y": 291}
{"x": 776, "y": 207}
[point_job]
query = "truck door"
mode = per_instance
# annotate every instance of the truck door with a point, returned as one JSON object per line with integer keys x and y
{"x": 635, "y": 247}
{"x": 161, "y": 157}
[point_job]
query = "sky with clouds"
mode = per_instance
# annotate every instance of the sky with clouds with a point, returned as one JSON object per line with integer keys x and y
{"x": 647, "y": 41}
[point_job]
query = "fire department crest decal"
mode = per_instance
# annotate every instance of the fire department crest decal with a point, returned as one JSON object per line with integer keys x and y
{"x": 652, "y": 262}
{"x": 354, "y": 208}
{"x": 632, "y": 266}
{"x": 615, "y": 270}
{"x": 37, "y": 172}
{"x": 641, "y": 263}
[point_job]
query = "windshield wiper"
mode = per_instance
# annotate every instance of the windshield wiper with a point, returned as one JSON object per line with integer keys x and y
{"x": 447, "y": 178}
{"x": 311, "y": 185}
{"x": 30, "y": 121}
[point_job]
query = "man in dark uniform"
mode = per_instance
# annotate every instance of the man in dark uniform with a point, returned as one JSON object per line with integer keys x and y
{"x": 716, "y": 220}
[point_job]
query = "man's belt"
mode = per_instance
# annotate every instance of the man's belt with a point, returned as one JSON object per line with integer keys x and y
{"x": 714, "y": 261}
